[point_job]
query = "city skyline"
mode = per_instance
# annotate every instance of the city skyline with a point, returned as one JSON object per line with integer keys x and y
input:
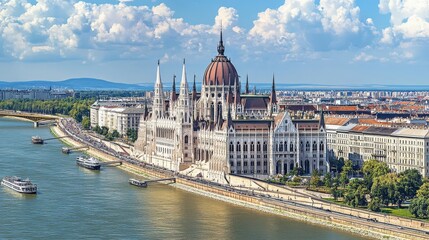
{"x": 348, "y": 41}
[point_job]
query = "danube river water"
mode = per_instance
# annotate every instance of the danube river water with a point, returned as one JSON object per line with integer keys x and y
{"x": 75, "y": 203}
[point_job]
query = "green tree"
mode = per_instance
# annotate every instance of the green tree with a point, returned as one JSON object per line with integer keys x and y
{"x": 372, "y": 169}
{"x": 386, "y": 189}
{"x": 132, "y": 135}
{"x": 409, "y": 182}
{"x": 355, "y": 193}
{"x": 375, "y": 205}
{"x": 315, "y": 178}
{"x": 86, "y": 123}
{"x": 344, "y": 175}
{"x": 419, "y": 207}
{"x": 115, "y": 134}
{"x": 423, "y": 191}
{"x": 327, "y": 180}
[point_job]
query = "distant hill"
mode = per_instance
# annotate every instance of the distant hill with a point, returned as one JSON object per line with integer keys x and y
{"x": 99, "y": 84}
{"x": 74, "y": 83}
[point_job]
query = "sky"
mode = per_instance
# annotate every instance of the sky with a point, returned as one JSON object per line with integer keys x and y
{"x": 332, "y": 42}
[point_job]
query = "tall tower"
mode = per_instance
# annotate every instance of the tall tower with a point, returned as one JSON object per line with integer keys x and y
{"x": 273, "y": 108}
{"x": 184, "y": 103}
{"x": 158, "y": 100}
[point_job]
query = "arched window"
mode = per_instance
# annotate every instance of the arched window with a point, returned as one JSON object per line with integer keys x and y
{"x": 314, "y": 146}
{"x": 238, "y": 147}
{"x": 291, "y": 147}
{"x": 231, "y": 147}
{"x": 322, "y": 146}
{"x": 186, "y": 139}
{"x": 252, "y": 146}
{"x": 285, "y": 144}
{"x": 258, "y": 146}
{"x": 265, "y": 147}
{"x": 281, "y": 147}
{"x": 307, "y": 147}
{"x": 245, "y": 146}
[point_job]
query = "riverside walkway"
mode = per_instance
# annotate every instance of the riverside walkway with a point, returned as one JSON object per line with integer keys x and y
{"x": 264, "y": 198}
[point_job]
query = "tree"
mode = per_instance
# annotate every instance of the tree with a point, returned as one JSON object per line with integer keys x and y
{"x": 355, "y": 193}
{"x": 327, "y": 180}
{"x": 344, "y": 175}
{"x": 132, "y": 135}
{"x": 419, "y": 207}
{"x": 86, "y": 123}
{"x": 97, "y": 129}
{"x": 115, "y": 134}
{"x": 315, "y": 178}
{"x": 385, "y": 188}
{"x": 409, "y": 182}
{"x": 423, "y": 191}
{"x": 375, "y": 205}
{"x": 372, "y": 169}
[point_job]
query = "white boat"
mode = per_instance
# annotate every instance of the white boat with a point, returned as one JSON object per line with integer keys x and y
{"x": 19, "y": 185}
{"x": 88, "y": 162}
{"x": 137, "y": 182}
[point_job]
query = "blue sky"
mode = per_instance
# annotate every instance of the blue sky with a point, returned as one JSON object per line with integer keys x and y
{"x": 301, "y": 41}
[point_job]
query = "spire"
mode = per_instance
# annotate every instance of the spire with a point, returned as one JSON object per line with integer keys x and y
{"x": 173, "y": 90}
{"x": 237, "y": 99}
{"x": 322, "y": 119}
{"x": 194, "y": 89}
{"x": 184, "y": 82}
{"x": 229, "y": 96}
{"x": 247, "y": 85}
{"x": 146, "y": 111}
{"x": 220, "y": 47}
{"x": 219, "y": 122}
{"x": 229, "y": 118}
{"x": 273, "y": 97}
{"x": 158, "y": 74}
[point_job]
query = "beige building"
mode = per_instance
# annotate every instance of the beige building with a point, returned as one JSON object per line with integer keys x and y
{"x": 115, "y": 117}
{"x": 400, "y": 148}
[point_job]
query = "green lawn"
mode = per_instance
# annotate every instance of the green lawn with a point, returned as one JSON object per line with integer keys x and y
{"x": 400, "y": 212}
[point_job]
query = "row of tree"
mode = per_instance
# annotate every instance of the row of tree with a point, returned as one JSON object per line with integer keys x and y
{"x": 75, "y": 108}
{"x": 112, "y": 135}
{"x": 379, "y": 187}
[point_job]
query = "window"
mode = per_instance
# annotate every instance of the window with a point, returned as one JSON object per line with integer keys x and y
{"x": 238, "y": 147}
{"x": 281, "y": 147}
{"x": 186, "y": 139}
{"x": 307, "y": 147}
{"x": 231, "y": 147}
{"x": 245, "y": 146}
{"x": 258, "y": 146}
{"x": 252, "y": 146}
{"x": 314, "y": 146}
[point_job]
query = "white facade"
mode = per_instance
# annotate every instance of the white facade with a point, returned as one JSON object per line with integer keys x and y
{"x": 116, "y": 118}
{"x": 400, "y": 148}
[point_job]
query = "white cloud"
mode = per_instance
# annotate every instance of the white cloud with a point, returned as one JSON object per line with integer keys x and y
{"x": 304, "y": 26}
{"x": 409, "y": 18}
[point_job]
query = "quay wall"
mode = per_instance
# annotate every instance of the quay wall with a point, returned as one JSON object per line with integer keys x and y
{"x": 299, "y": 213}
{"x": 289, "y": 193}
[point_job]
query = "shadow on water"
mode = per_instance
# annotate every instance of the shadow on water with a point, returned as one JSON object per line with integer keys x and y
{"x": 20, "y": 195}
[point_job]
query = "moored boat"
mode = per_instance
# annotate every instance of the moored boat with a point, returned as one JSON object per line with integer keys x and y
{"x": 88, "y": 162}
{"x": 19, "y": 185}
{"x": 137, "y": 182}
{"x": 36, "y": 140}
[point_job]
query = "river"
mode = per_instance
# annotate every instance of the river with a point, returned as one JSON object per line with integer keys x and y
{"x": 75, "y": 203}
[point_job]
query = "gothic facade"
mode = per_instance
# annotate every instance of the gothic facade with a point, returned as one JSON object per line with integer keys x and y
{"x": 222, "y": 130}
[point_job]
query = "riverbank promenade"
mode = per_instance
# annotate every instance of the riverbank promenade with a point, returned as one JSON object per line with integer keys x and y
{"x": 257, "y": 194}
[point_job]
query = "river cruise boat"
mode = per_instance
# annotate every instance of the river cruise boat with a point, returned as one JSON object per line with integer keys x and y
{"x": 88, "y": 162}
{"x": 137, "y": 183}
{"x": 19, "y": 185}
{"x": 36, "y": 140}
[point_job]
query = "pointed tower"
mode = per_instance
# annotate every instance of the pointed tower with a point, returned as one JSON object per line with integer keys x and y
{"x": 273, "y": 108}
{"x": 173, "y": 96}
{"x": 273, "y": 97}
{"x": 194, "y": 89}
{"x": 220, "y": 47}
{"x": 184, "y": 105}
{"x": 158, "y": 99}
{"x": 247, "y": 85}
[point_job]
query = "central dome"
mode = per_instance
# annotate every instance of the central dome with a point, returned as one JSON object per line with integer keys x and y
{"x": 220, "y": 71}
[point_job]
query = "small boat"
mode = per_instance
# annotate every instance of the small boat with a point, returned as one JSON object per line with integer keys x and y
{"x": 19, "y": 185}
{"x": 36, "y": 140}
{"x": 88, "y": 162}
{"x": 137, "y": 183}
